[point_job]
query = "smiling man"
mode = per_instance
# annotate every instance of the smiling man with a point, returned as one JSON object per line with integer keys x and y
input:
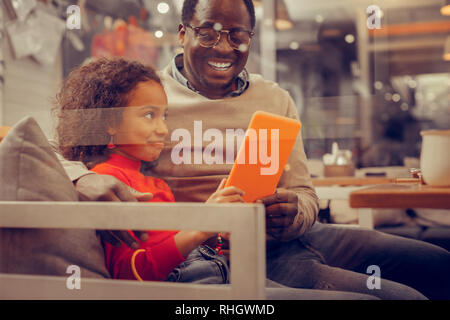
{"x": 216, "y": 72}
{"x": 209, "y": 83}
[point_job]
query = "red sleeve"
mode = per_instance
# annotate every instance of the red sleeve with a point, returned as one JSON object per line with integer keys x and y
{"x": 153, "y": 264}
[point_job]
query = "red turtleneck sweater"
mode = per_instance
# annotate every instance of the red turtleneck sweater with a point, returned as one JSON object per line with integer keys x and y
{"x": 161, "y": 254}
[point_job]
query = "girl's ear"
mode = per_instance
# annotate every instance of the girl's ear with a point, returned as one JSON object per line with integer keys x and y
{"x": 181, "y": 33}
{"x": 111, "y": 131}
{"x": 111, "y": 125}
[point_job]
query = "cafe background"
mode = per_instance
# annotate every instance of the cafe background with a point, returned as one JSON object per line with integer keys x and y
{"x": 366, "y": 75}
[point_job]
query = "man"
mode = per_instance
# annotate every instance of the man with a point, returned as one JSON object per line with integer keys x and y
{"x": 208, "y": 87}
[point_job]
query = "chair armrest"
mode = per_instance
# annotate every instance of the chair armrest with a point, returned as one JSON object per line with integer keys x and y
{"x": 245, "y": 222}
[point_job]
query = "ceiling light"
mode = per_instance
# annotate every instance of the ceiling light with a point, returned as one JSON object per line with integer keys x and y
{"x": 163, "y": 7}
{"x": 159, "y": 34}
{"x": 282, "y": 19}
{"x": 445, "y": 10}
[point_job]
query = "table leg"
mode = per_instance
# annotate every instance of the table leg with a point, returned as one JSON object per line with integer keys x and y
{"x": 365, "y": 218}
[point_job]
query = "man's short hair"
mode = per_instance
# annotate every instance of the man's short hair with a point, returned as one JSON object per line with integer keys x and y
{"x": 190, "y": 5}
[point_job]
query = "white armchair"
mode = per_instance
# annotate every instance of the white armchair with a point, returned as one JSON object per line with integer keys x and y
{"x": 245, "y": 222}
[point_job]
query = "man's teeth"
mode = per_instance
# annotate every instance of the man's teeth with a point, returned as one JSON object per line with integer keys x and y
{"x": 218, "y": 65}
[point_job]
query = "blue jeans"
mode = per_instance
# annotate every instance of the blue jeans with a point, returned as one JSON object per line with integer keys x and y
{"x": 330, "y": 257}
{"x": 203, "y": 265}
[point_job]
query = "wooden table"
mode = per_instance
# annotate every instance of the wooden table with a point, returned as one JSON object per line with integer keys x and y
{"x": 358, "y": 181}
{"x": 350, "y": 181}
{"x": 397, "y": 196}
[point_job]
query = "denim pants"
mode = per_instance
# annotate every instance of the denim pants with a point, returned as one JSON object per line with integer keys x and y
{"x": 203, "y": 265}
{"x": 330, "y": 257}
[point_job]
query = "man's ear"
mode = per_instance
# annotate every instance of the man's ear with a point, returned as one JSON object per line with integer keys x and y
{"x": 181, "y": 33}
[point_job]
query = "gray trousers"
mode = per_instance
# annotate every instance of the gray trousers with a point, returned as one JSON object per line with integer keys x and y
{"x": 330, "y": 257}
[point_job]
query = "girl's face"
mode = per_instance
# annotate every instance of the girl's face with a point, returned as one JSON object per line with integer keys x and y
{"x": 140, "y": 135}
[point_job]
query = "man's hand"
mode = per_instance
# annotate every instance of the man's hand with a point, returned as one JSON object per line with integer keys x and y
{"x": 97, "y": 187}
{"x": 281, "y": 210}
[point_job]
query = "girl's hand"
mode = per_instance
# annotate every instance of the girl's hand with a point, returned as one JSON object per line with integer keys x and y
{"x": 226, "y": 195}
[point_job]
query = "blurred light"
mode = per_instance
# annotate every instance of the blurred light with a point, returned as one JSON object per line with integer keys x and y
{"x": 404, "y": 106}
{"x": 282, "y": 21}
{"x": 331, "y": 33}
{"x": 446, "y": 55}
{"x": 283, "y": 24}
{"x": 243, "y": 48}
{"x": 163, "y": 7}
{"x": 378, "y": 85}
{"x": 349, "y": 38}
{"x": 217, "y": 26}
{"x": 294, "y": 45}
{"x": 445, "y": 10}
{"x": 388, "y": 96}
{"x": 159, "y": 34}
{"x": 396, "y": 97}
{"x": 412, "y": 84}
{"x": 319, "y": 18}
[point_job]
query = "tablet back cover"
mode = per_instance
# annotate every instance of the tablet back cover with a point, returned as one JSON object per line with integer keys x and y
{"x": 263, "y": 155}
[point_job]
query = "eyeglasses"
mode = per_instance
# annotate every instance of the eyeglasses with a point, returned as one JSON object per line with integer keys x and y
{"x": 208, "y": 37}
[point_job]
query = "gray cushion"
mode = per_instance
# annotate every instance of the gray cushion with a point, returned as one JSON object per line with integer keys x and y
{"x": 30, "y": 171}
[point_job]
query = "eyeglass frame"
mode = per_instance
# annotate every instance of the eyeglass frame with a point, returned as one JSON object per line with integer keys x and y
{"x": 196, "y": 31}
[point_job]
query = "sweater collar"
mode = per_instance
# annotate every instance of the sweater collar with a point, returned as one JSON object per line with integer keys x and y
{"x": 124, "y": 162}
{"x": 177, "y": 65}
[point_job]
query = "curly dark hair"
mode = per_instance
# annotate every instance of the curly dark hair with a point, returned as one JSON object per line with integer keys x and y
{"x": 91, "y": 99}
{"x": 189, "y": 6}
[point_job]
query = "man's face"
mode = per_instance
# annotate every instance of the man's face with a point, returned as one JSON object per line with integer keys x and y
{"x": 213, "y": 71}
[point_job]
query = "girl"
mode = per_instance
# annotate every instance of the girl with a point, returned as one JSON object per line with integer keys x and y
{"x": 112, "y": 117}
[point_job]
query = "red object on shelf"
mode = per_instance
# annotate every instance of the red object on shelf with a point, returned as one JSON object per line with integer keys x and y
{"x": 126, "y": 40}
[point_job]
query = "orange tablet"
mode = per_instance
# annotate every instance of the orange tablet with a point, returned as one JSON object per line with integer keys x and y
{"x": 263, "y": 155}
